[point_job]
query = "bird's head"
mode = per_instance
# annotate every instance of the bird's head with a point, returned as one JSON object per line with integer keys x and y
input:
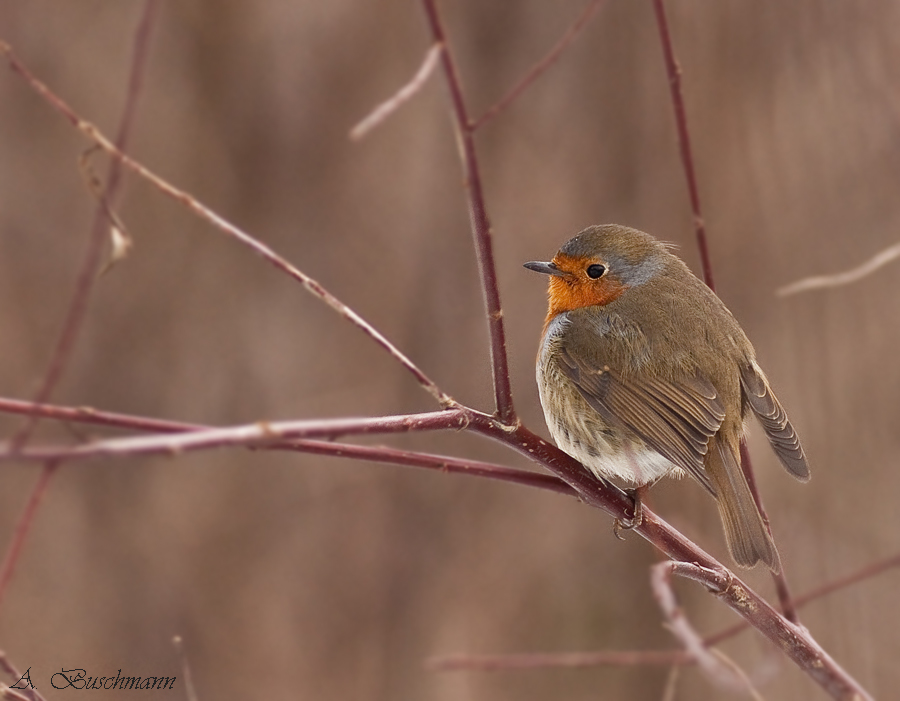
{"x": 599, "y": 265}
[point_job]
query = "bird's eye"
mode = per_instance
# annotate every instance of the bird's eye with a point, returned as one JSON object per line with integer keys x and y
{"x": 596, "y": 271}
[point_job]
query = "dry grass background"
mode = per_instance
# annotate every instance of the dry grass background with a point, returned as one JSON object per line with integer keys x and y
{"x": 304, "y": 577}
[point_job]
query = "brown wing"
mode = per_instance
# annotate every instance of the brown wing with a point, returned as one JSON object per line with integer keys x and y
{"x": 674, "y": 419}
{"x": 774, "y": 421}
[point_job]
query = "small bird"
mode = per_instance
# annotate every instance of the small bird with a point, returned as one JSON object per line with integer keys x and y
{"x": 643, "y": 372}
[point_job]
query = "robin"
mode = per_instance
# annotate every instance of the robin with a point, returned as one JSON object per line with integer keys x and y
{"x": 643, "y": 373}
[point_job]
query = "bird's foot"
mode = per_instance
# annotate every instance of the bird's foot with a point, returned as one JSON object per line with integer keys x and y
{"x": 637, "y": 519}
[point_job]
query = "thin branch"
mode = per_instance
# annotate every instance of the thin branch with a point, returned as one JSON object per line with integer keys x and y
{"x": 566, "y": 660}
{"x": 866, "y": 572}
{"x": 199, "y": 209}
{"x": 189, "y": 690}
{"x": 23, "y": 527}
{"x": 382, "y": 454}
{"x": 535, "y": 72}
{"x": 391, "y": 105}
{"x": 782, "y": 590}
{"x": 671, "y": 683}
{"x": 256, "y": 435}
{"x": 78, "y": 304}
{"x": 846, "y": 278}
{"x": 684, "y": 140}
{"x": 441, "y": 463}
{"x": 481, "y": 227}
{"x": 84, "y": 284}
{"x": 678, "y": 624}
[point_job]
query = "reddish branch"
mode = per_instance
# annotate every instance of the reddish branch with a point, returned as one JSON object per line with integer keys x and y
{"x": 84, "y": 284}
{"x": 684, "y": 140}
{"x": 451, "y": 419}
{"x": 481, "y": 226}
{"x": 23, "y": 526}
{"x": 540, "y": 66}
{"x": 91, "y": 263}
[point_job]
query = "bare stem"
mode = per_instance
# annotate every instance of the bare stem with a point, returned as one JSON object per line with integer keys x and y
{"x": 535, "y": 72}
{"x": 684, "y": 140}
{"x": 23, "y": 527}
{"x": 85, "y": 282}
{"x": 78, "y": 304}
{"x": 392, "y": 104}
{"x": 199, "y": 209}
{"x": 481, "y": 227}
{"x": 678, "y": 624}
{"x": 569, "y": 660}
{"x": 256, "y": 435}
{"x": 433, "y": 421}
{"x": 848, "y": 277}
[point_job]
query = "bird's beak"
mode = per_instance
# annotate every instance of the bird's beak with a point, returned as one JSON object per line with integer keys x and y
{"x": 545, "y": 268}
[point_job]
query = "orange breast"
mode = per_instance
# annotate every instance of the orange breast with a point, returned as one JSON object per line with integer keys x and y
{"x": 567, "y": 294}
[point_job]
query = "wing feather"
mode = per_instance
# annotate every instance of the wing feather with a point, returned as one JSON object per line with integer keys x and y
{"x": 774, "y": 420}
{"x": 676, "y": 420}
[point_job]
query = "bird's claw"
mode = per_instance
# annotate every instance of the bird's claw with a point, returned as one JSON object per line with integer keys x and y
{"x": 635, "y": 521}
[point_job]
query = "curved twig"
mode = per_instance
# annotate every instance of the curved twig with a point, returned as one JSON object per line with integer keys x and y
{"x": 202, "y": 211}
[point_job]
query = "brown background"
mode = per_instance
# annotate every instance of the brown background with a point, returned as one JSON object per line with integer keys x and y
{"x": 302, "y": 577}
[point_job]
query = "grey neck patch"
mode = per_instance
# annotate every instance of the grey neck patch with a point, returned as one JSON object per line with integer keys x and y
{"x": 635, "y": 274}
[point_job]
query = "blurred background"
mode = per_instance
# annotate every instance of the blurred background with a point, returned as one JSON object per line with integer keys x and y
{"x": 311, "y": 577}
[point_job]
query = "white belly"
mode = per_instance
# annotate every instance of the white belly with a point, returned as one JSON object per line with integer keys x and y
{"x": 581, "y": 432}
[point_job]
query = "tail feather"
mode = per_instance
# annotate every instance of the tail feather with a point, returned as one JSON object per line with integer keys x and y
{"x": 747, "y": 536}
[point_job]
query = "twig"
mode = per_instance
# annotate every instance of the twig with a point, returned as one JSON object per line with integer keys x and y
{"x": 389, "y": 106}
{"x": 442, "y": 463}
{"x": 863, "y": 573}
{"x": 570, "y": 660}
{"x": 671, "y": 683}
{"x": 661, "y": 581}
{"x": 257, "y": 435}
{"x": 782, "y": 590}
{"x": 535, "y": 72}
{"x": 746, "y": 684}
{"x": 684, "y": 140}
{"x": 199, "y": 209}
{"x": 23, "y": 526}
{"x": 375, "y": 454}
{"x": 89, "y": 266}
{"x": 189, "y": 690}
{"x": 481, "y": 227}
{"x": 839, "y": 279}
{"x": 84, "y": 284}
